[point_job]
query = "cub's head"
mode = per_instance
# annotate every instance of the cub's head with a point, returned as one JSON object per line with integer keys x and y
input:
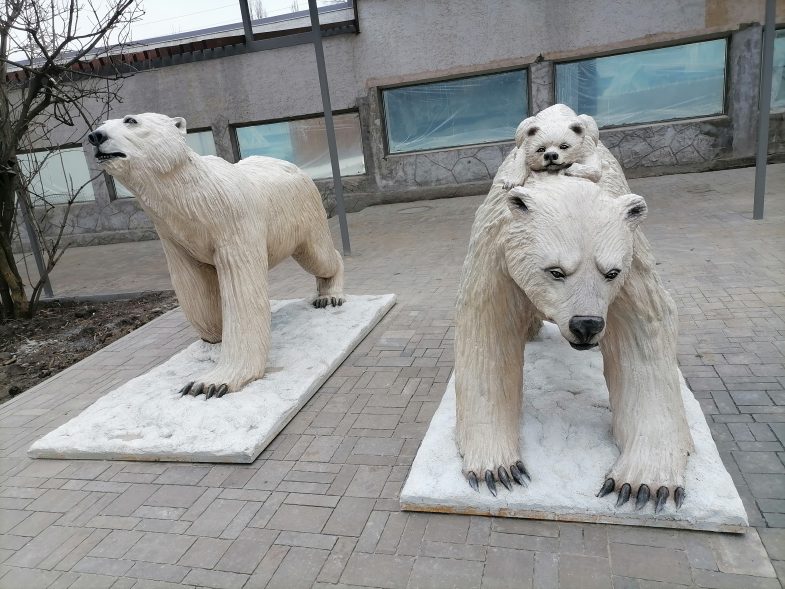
{"x": 569, "y": 248}
{"x": 557, "y": 137}
{"x": 143, "y": 144}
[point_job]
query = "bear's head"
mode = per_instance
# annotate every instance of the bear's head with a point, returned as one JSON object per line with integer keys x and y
{"x": 568, "y": 246}
{"x": 138, "y": 146}
{"x": 556, "y": 137}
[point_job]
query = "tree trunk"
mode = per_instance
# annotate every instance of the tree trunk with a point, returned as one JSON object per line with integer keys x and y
{"x": 16, "y": 303}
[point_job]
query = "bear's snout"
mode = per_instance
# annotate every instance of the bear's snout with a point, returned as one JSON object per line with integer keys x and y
{"x": 97, "y": 137}
{"x": 585, "y": 327}
{"x": 551, "y": 156}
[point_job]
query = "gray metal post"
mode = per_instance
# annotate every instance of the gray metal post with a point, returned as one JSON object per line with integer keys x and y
{"x": 764, "y": 106}
{"x": 328, "y": 123}
{"x": 35, "y": 245}
{"x": 246, "y": 14}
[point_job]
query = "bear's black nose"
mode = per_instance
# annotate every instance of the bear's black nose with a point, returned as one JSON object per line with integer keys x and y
{"x": 97, "y": 137}
{"x": 585, "y": 327}
{"x": 551, "y": 156}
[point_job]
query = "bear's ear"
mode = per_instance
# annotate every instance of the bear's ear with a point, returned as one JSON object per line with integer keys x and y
{"x": 634, "y": 209}
{"x": 527, "y": 128}
{"x": 518, "y": 200}
{"x": 179, "y": 122}
{"x": 590, "y": 127}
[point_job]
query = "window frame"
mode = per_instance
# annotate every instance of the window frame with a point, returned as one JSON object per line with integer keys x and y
{"x": 464, "y": 76}
{"x": 235, "y": 140}
{"x": 725, "y": 35}
{"x": 92, "y": 173}
{"x": 777, "y": 30}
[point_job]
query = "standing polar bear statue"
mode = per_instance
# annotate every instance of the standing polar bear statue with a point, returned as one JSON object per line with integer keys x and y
{"x": 568, "y": 249}
{"x": 222, "y": 227}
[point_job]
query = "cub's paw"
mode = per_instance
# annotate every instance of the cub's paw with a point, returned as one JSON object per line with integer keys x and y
{"x": 516, "y": 471}
{"x": 508, "y": 184}
{"x": 583, "y": 171}
{"x": 322, "y": 301}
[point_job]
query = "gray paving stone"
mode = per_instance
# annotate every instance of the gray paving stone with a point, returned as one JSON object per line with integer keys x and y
{"x": 300, "y": 518}
{"x": 245, "y": 553}
{"x": 438, "y": 573}
{"x": 160, "y": 548}
{"x": 23, "y": 577}
{"x": 583, "y": 572}
{"x": 175, "y": 496}
{"x": 742, "y": 554}
{"x": 378, "y": 570}
{"x": 204, "y": 553}
{"x": 349, "y": 516}
{"x": 158, "y": 572}
{"x": 216, "y": 579}
{"x": 215, "y": 518}
{"x": 299, "y": 568}
{"x": 650, "y": 562}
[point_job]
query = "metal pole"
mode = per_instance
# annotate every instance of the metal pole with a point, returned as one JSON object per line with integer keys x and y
{"x": 246, "y": 13}
{"x": 328, "y": 123}
{"x": 764, "y": 106}
{"x": 35, "y": 245}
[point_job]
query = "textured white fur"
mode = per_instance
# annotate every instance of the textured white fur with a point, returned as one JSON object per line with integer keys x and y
{"x": 550, "y": 129}
{"x": 505, "y": 292}
{"x": 223, "y": 226}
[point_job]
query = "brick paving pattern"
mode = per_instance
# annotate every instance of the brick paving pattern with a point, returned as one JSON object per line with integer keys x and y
{"x": 320, "y": 505}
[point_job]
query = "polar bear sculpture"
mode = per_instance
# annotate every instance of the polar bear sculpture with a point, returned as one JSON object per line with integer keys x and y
{"x": 222, "y": 227}
{"x": 567, "y": 250}
{"x": 555, "y": 139}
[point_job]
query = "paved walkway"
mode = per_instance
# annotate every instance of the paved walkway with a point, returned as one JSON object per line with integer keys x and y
{"x": 320, "y": 506}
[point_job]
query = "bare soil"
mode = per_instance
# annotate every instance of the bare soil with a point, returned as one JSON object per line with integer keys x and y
{"x": 63, "y": 332}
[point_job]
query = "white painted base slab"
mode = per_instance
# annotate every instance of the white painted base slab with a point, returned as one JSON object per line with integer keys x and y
{"x": 568, "y": 448}
{"x": 145, "y": 419}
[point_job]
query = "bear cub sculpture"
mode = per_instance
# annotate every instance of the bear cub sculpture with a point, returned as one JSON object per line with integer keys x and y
{"x": 569, "y": 250}
{"x": 222, "y": 227}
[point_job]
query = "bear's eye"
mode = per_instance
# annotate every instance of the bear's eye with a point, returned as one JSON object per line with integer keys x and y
{"x": 564, "y": 146}
{"x": 541, "y": 150}
{"x": 612, "y": 274}
{"x": 130, "y": 121}
{"x": 556, "y": 273}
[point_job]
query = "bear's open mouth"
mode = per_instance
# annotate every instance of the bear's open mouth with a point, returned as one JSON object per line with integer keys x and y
{"x": 105, "y": 157}
{"x": 582, "y": 346}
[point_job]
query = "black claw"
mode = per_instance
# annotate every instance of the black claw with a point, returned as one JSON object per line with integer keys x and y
{"x": 186, "y": 389}
{"x": 333, "y": 301}
{"x": 222, "y": 390}
{"x": 518, "y": 476}
{"x": 607, "y": 487}
{"x": 678, "y": 496}
{"x": 624, "y": 494}
{"x": 340, "y": 302}
{"x": 662, "y": 497}
{"x": 504, "y": 478}
{"x": 523, "y": 470}
{"x": 210, "y": 392}
{"x": 198, "y": 389}
{"x": 490, "y": 482}
{"x": 643, "y": 497}
{"x": 473, "y": 483}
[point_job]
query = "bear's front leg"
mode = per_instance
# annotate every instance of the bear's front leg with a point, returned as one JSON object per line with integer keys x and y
{"x": 649, "y": 422}
{"x": 489, "y": 341}
{"x": 242, "y": 276}
{"x": 587, "y": 172}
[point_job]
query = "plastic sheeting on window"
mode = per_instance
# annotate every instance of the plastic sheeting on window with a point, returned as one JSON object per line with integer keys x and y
{"x": 646, "y": 86}
{"x": 778, "y": 75}
{"x": 469, "y": 111}
{"x": 58, "y": 177}
{"x": 201, "y": 142}
{"x": 304, "y": 143}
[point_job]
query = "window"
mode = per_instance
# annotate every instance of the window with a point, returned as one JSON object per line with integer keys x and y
{"x": 201, "y": 142}
{"x": 57, "y": 176}
{"x": 646, "y": 86}
{"x": 469, "y": 111}
{"x": 304, "y": 143}
{"x": 778, "y": 76}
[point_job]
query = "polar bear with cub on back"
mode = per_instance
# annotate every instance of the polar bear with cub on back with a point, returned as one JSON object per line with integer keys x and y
{"x": 570, "y": 250}
{"x": 222, "y": 227}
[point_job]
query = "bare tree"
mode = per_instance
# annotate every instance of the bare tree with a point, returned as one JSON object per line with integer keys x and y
{"x": 61, "y": 66}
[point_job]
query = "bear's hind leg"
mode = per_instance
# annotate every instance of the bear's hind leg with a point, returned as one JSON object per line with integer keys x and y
{"x": 319, "y": 258}
{"x": 196, "y": 287}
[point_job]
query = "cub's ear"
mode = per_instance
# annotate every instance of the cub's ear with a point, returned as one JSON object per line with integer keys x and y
{"x": 590, "y": 127}
{"x": 179, "y": 122}
{"x": 527, "y": 128}
{"x": 634, "y": 209}
{"x": 519, "y": 200}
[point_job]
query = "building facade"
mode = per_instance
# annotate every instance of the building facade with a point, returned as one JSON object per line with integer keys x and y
{"x": 427, "y": 96}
